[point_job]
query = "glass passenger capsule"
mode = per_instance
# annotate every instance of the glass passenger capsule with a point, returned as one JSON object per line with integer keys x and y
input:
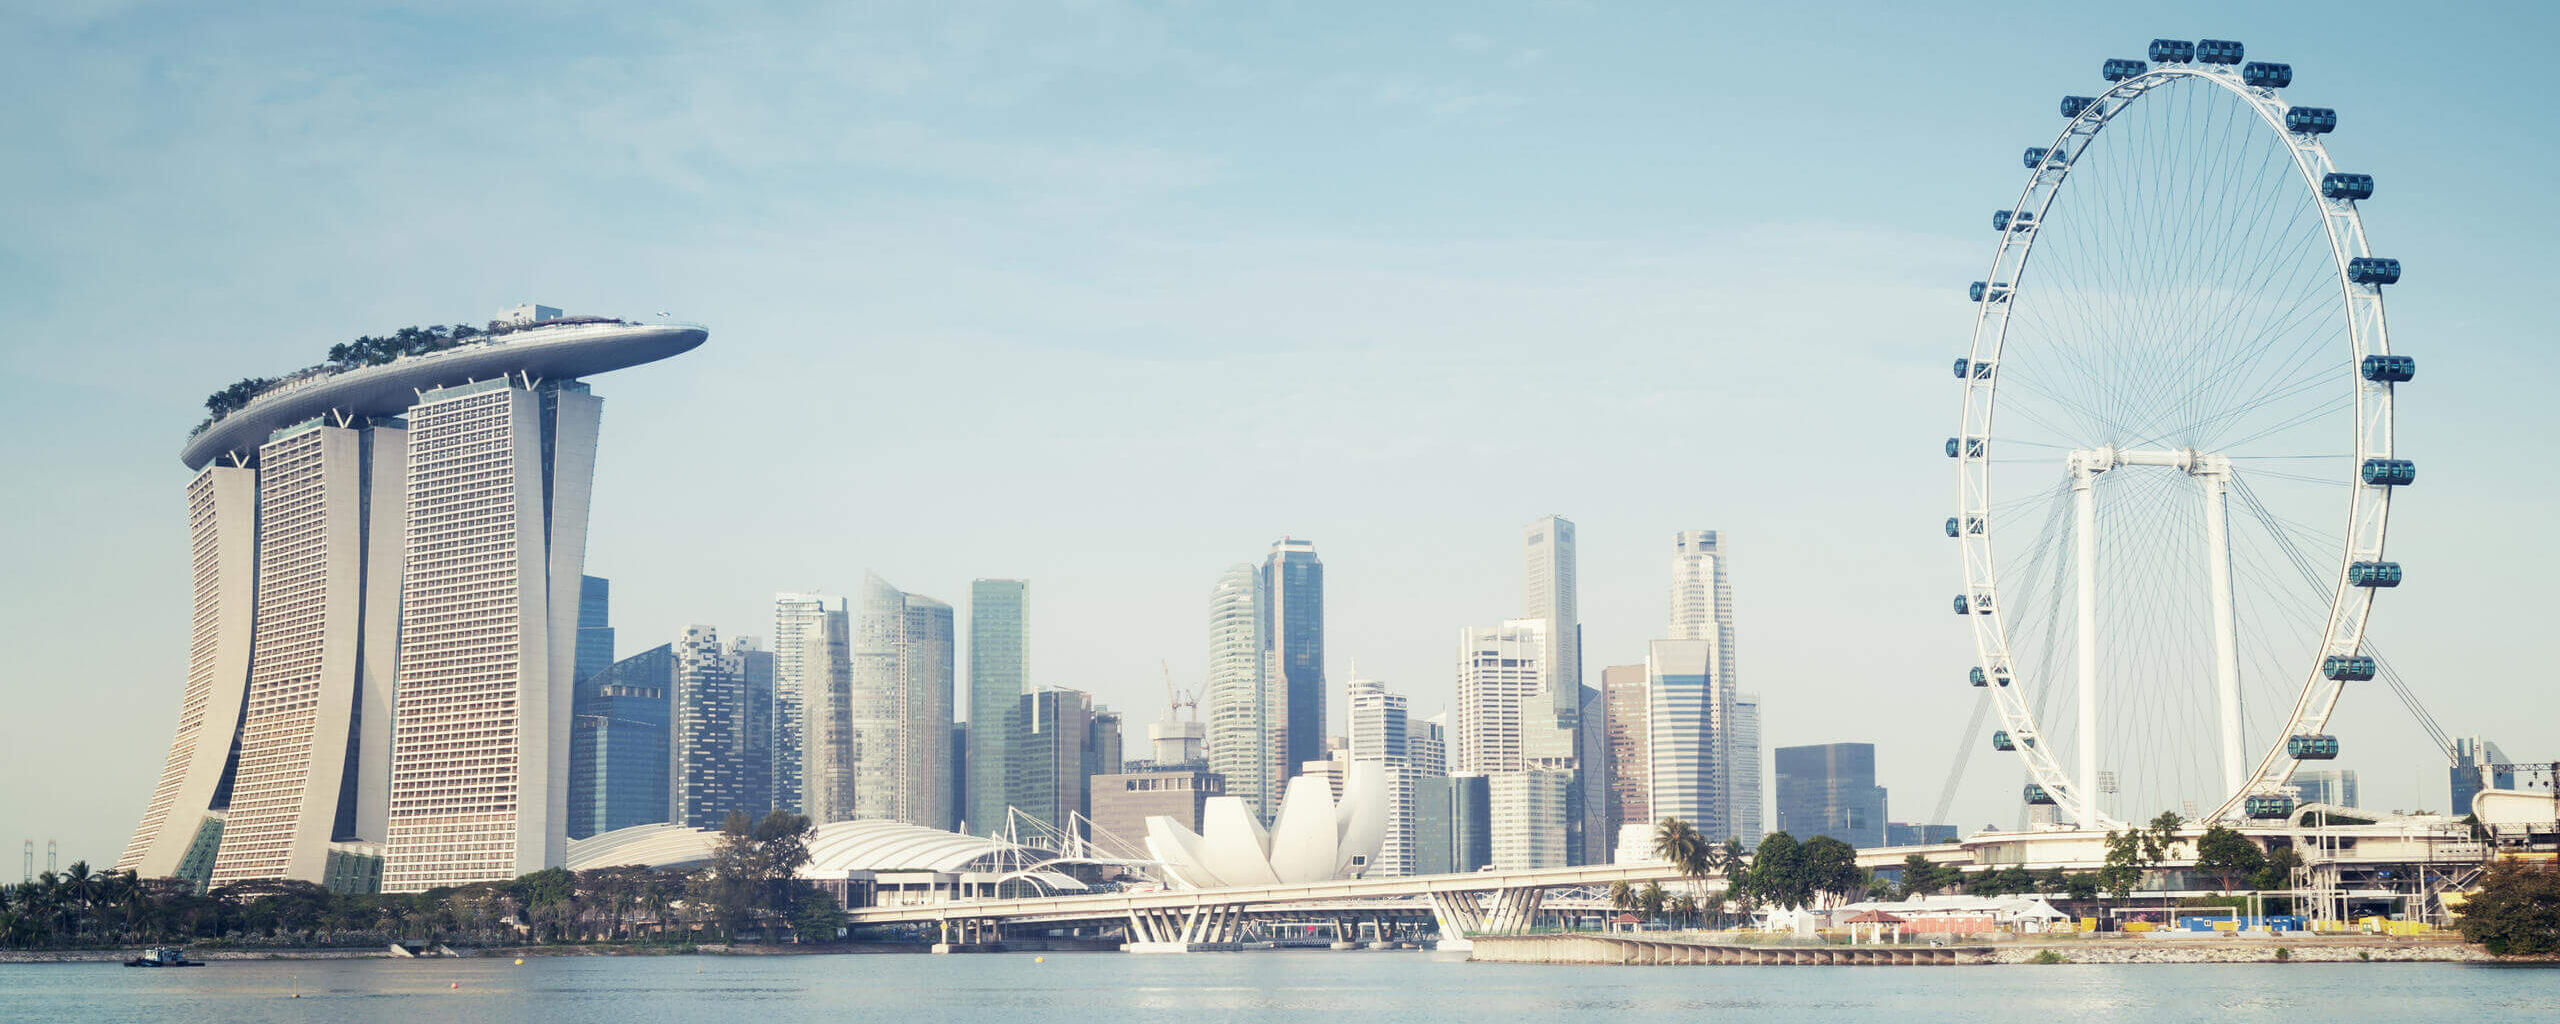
{"x": 2338, "y": 185}
{"x": 2373, "y": 270}
{"x": 2117, "y": 70}
{"x": 2310, "y": 120}
{"x": 1982, "y": 604}
{"x": 1951, "y": 527}
{"x": 1982, "y": 371}
{"x": 1963, "y": 365}
{"x": 2172, "y": 51}
{"x": 2073, "y": 105}
{"x": 2312, "y": 748}
{"x": 2347, "y": 668}
{"x": 1979, "y": 677}
{"x": 1988, "y": 292}
{"x": 2374, "y": 574}
{"x": 2264, "y": 75}
{"x": 1971, "y": 447}
{"x": 2000, "y": 741}
{"x": 2036, "y": 795}
{"x": 2219, "y": 51}
{"x": 2390, "y": 369}
{"x": 2390, "y": 472}
{"x": 1962, "y": 607}
{"x": 2003, "y": 220}
{"x": 2268, "y": 805}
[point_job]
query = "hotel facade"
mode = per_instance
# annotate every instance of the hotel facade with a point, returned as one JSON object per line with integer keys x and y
{"x": 387, "y": 561}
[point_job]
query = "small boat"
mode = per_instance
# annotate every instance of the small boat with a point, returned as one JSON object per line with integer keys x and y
{"x": 163, "y": 956}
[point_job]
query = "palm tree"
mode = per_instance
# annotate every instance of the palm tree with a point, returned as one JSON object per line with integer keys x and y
{"x": 1651, "y": 899}
{"x": 1685, "y": 907}
{"x": 1680, "y": 843}
{"x": 1621, "y": 896}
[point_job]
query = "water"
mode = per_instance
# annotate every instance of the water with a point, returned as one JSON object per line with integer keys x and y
{"x": 1340, "y": 988}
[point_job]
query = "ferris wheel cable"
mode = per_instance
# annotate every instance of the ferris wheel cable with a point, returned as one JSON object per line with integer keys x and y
{"x": 1964, "y": 751}
{"x": 2391, "y": 677}
{"x": 2324, "y": 481}
{"x": 2250, "y": 354}
{"x": 2306, "y": 417}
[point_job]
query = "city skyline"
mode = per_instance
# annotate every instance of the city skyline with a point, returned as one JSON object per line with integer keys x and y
{"x": 1464, "y": 286}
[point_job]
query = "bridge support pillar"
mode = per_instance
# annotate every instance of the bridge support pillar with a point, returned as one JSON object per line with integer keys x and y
{"x": 1197, "y": 929}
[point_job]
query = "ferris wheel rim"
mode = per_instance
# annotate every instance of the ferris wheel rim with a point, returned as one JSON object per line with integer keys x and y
{"x": 2368, "y": 503}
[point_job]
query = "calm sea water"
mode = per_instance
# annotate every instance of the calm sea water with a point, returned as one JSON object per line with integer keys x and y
{"x": 1343, "y": 988}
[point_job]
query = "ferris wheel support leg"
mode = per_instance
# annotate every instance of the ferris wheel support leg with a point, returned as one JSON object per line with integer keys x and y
{"x": 2084, "y": 500}
{"x": 2226, "y": 644}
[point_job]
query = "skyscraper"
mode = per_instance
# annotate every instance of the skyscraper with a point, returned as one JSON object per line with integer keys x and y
{"x": 1528, "y": 816}
{"x": 1293, "y": 631}
{"x": 618, "y": 744}
{"x": 595, "y": 626}
{"x": 901, "y": 708}
{"x": 1381, "y": 733}
{"x": 1748, "y": 790}
{"x": 812, "y": 706}
{"x": 2333, "y": 786}
{"x": 1548, "y": 555}
{"x": 1048, "y": 777}
{"x": 1702, "y": 609}
{"x": 715, "y": 773}
{"x": 1680, "y": 753}
{"x": 1553, "y": 739}
{"x": 999, "y": 674}
{"x": 320, "y": 669}
{"x": 497, "y": 523}
{"x": 1245, "y": 733}
{"x": 927, "y": 670}
{"x": 188, "y": 806}
{"x": 2476, "y": 766}
{"x": 1500, "y": 679}
{"x": 1830, "y": 790}
{"x": 1427, "y": 751}
{"x": 1630, "y": 740}
{"x": 755, "y": 676}
{"x": 410, "y": 599}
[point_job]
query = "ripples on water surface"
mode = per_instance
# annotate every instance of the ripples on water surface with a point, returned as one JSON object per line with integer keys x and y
{"x": 1349, "y": 987}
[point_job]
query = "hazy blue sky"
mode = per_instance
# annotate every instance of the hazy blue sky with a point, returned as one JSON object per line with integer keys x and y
{"x": 1111, "y": 295}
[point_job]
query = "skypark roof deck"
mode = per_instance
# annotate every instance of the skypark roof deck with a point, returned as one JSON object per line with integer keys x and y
{"x": 546, "y": 352}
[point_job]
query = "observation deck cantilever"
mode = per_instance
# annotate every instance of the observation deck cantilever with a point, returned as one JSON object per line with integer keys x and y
{"x": 554, "y": 352}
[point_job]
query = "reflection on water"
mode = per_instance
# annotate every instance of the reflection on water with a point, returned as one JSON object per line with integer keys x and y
{"x": 1295, "y": 986}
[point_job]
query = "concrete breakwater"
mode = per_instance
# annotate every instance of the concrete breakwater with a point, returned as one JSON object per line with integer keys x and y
{"x": 1594, "y": 948}
{"x": 2254, "y": 951}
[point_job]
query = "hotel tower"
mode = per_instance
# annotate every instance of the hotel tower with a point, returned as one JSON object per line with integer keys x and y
{"x": 387, "y": 556}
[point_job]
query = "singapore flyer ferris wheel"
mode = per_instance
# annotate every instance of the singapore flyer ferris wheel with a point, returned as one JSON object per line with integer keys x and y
{"x": 2175, "y": 463}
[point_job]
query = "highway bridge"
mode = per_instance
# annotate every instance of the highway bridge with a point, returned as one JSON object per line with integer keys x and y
{"x": 1188, "y": 920}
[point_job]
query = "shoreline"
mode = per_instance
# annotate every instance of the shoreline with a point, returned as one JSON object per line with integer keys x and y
{"x": 2319, "y": 950}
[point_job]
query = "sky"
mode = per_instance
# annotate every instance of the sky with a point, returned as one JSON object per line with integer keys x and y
{"x": 1109, "y": 296}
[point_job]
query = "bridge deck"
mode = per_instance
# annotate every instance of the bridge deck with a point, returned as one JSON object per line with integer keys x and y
{"x": 1117, "y": 905}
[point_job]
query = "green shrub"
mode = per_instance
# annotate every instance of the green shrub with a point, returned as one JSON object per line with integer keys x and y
{"x": 2050, "y": 956}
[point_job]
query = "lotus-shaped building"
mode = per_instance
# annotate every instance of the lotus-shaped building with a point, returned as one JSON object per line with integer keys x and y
{"x": 1315, "y": 838}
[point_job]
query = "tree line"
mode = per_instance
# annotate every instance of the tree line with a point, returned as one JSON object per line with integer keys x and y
{"x": 749, "y": 890}
{"x": 1785, "y": 872}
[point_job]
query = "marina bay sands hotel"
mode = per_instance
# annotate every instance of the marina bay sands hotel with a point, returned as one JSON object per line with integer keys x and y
{"x": 387, "y": 555}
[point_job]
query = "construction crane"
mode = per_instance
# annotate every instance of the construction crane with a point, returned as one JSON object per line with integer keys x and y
{"x": 1175, "y": 699}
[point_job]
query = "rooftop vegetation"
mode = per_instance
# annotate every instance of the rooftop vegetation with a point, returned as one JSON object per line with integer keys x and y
{"x": 372, "y": 350}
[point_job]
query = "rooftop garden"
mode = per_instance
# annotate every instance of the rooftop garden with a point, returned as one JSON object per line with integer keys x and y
{"x": 372, "y": 350}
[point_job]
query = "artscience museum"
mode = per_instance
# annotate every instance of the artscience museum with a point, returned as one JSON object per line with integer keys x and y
{"x": 1316, "y": 838}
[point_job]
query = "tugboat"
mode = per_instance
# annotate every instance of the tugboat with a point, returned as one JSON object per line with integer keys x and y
{"x": 163, "y": 956}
